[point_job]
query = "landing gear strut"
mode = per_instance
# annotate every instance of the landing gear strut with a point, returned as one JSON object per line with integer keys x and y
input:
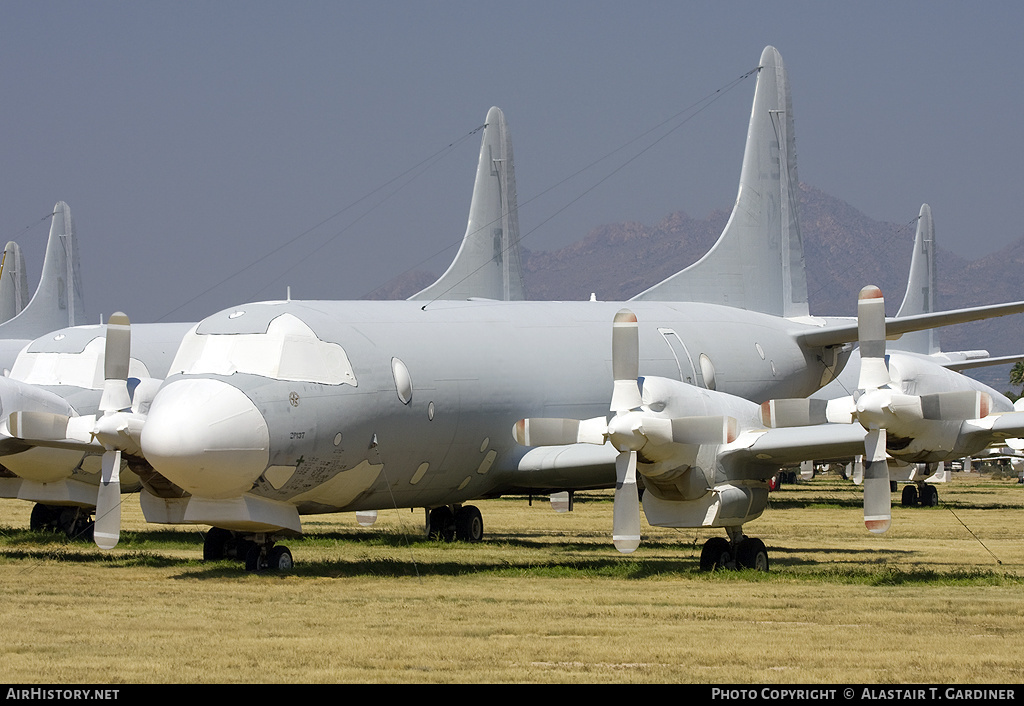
{"x": 737, "y": 552}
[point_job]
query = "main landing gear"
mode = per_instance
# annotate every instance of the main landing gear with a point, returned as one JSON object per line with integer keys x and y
{"x": 258, "y": 550}
{"x": 737, "y": 552}
{"x": 75, "y": 522}
{"x": 455, "y": 522}
{"x": 923, "y": 494}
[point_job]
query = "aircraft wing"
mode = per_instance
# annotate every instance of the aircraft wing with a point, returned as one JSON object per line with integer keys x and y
{"x": 758, "y": 454}
{"x": 834, "y": 335}
{"x": 753, "y": 455}
{"x": 995, "y": 428}
{"x": 573, "y": 466}
{"x": 959, "y": 365}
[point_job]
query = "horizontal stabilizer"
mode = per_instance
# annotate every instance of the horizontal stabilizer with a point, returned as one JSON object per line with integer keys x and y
{"x": 959, "y": 365}
{"x": 838, "y": 334}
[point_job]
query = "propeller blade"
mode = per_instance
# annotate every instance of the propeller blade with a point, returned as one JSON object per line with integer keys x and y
{"x": 776, "y": 414}
{"x": 877, "y": 496}
{"x": 115, "y": 364}
{"x": 690, "y": 430}
{"x": 871, "y": 338}
{"x": 38, "y": 425}
{"x": 108, "y": 502}
{"x": 540, "y": 431}
{"x": 625, "y": 362}
{"x": 626, "y": 510}
{"x": 955, "y": 406}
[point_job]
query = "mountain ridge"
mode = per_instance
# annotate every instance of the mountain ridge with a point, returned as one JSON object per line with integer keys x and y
{"x": 844, "y": 250}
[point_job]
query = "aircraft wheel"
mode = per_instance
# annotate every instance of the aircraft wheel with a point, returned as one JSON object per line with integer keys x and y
{"x": 752, "y": 554}
{"x": 441, "y": 524}
{"x": 253, "y": 557}
{"x": 716, "y": 554}
{"x": 44, "y": 517}
{"x": 469, "y": 524}
{"x": 279, "y": 559}
{"x": 909, "y": 498}
{"x": 215, "y": 544}
{"x": 929, "y": 496}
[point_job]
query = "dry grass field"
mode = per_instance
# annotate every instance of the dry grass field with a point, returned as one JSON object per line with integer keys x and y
{"x": 545, "y": 598}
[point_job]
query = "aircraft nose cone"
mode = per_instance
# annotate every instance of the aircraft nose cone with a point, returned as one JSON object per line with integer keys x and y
{"x": 207, "y": 437}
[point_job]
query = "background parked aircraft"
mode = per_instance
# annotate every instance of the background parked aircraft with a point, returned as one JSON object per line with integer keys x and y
{"x": 272, "y": 410}
{"x": 63, "y": 372}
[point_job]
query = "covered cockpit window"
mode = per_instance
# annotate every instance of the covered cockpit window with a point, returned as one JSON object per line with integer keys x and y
{"x": 78, "y": 368}
{"x": 288, "y": 350}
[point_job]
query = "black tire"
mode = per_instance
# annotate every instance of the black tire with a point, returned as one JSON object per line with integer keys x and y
{"x": 253, "y": 559}
{"x": 215, "y": 544}
{"x": 441, "y": 524}
{"x": 929, "y": 496}
{"x": 909, "y": 497}
{"x": 716, "y": 554}
{"x": 43, "y": 518}
{"x": 279, "y": 559}
{"x": 752, "y": 554}
{"x": 469, "y": 524}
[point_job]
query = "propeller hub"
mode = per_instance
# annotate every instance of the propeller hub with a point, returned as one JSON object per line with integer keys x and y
{"x": 625, "y": 432}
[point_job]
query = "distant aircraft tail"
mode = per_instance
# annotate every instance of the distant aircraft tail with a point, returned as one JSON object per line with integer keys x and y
{"x": 758, "y": 261}
{"x": 920, "y": 296}
{"x": 57, "y": 302}
{"x": 487, "y": 265}
{"x": 13, "y": 282}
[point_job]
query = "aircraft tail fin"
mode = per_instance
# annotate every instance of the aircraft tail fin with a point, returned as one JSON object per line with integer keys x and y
{"x": 487, "y": 265}
{"x": 758, "y": 261}
{"x": 920, "y": 296}
{"x": 13, "y": 282}
{"x": 57, "y": 302}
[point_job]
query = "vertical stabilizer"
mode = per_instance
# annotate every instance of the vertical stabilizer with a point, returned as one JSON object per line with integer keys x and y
{"x": 13, "y": 282}
{"x": 487, "y": 265}
{"x": 57, "y": 302}
{"x": 920, "y": 296}
{"x": 758, "y": 261}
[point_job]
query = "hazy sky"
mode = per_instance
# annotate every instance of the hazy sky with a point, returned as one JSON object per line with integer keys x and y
{"x": 192, "y": 139}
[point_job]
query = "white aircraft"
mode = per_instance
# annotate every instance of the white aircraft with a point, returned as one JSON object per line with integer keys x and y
{"x": 917, "y": 366}
{"x": 63, "y": 372}
{"x": 273, "y": 410}
{"x": 919, "y": 426}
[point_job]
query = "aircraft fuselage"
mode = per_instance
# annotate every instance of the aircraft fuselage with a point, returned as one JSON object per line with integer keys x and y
{"x": 374, "y": 404}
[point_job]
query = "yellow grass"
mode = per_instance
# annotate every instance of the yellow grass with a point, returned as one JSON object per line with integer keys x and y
{"x": 544, "y": 599}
